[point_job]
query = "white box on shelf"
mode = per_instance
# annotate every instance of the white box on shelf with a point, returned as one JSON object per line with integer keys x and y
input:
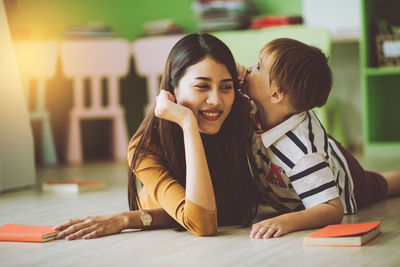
{"x": 341, "y": 17}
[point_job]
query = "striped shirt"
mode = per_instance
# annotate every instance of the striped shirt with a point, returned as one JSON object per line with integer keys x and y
{"x": 296, "y": 165}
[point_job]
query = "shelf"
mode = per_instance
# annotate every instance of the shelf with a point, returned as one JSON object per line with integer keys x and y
{"x": 380, "y": 84}
{"x": 380, "y": 71}
{"x": 345, "y": 36}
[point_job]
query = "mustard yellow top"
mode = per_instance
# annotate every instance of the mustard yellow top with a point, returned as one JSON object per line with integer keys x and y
{"x": 160, "y": 190}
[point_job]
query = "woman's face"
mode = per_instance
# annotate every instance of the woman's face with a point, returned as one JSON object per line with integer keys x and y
{"x": 207, "y": 89}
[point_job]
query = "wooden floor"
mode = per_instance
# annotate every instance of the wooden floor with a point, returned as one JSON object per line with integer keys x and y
{"x": 167, "y": 247}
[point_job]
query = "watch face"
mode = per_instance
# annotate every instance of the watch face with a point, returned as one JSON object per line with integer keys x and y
{"x": 146, "y": 218}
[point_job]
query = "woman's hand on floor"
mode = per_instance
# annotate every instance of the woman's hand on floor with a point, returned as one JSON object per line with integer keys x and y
{"x": 91, "y": 226}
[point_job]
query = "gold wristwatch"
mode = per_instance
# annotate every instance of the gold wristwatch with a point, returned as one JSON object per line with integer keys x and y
{"x": 145, "y": 218}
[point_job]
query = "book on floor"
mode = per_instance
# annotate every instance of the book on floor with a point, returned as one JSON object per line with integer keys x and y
{"x": 27, "y": 233}
{"x": 72, "y": 186}
{"x": 344, "y": 235}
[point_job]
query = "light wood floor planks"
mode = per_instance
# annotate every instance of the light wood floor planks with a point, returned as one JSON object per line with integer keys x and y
{"x": 167, "y": 247}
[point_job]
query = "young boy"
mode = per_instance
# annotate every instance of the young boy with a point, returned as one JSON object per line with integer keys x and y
{"x": 299, "y": 169}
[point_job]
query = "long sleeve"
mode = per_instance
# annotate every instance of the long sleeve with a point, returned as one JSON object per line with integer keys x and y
{"x": 160, "y": 190}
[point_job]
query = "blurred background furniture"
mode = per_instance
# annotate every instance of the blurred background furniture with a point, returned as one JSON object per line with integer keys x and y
{"x": 37, "y": 61}
{"x": 17, "y": 162}
{"x": 33, "y": 20}
{"x": 96, "y": 59}
{"x": 150, "y": 55}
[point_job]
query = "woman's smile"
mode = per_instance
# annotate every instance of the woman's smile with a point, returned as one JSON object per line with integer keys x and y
{"x": 210, "y": 115}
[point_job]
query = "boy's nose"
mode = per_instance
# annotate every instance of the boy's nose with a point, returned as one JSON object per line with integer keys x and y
{"x": 251, "y": 67}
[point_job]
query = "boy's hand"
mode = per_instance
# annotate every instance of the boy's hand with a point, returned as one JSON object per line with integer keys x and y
{"x": 320, "y": 215}
{"x": 274, "y": 227}
{"x": 242, "y": 75}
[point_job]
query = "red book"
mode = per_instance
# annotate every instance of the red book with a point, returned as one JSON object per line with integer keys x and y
{"x": 27, "y": 233}
{"x": 268, "y": 21}
{"x": 344, "y": 235}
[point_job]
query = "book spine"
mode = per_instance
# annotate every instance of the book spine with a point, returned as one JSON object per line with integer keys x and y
{"x": 14, "y": 237}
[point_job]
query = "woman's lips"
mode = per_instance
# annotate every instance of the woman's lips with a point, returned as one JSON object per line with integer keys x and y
{"x": 210, "y": 115}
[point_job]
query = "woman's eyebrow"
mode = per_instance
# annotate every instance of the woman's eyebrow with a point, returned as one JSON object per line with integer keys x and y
{"x": 209, "y": 79}
{"x": 203, "y": 78}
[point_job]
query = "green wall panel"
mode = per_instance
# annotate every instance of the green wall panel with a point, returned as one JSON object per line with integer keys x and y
{"x": 47, "y": 19}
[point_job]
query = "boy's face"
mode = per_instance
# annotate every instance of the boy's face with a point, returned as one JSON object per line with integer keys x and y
{"x": 258, "y": 83}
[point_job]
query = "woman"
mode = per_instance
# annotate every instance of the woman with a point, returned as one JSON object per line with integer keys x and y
{"x": 190, "y": 154}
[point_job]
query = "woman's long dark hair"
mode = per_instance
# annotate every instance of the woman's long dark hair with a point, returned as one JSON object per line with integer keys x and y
{"x": 225, "y": 151}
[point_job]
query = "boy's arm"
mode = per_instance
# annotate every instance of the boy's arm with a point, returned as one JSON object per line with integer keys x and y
{"x": 309, "y": 173}
{"x": 330, "y": 212}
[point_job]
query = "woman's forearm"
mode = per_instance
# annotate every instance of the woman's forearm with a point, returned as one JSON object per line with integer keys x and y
{"x": 160, "y": 219}
{"x": 199, "y": 188}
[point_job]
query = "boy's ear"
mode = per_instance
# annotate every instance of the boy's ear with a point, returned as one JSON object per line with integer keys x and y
{"x": 277, "y": 95}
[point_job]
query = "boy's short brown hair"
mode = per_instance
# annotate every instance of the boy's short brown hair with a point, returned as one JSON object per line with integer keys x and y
{"x": 299, "y": 70}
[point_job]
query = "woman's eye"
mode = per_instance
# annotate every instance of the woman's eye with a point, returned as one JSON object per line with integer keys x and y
{"x": 226, "y": 87}
{"x": 258, "y": 66}
{"x": 202, "y": 86}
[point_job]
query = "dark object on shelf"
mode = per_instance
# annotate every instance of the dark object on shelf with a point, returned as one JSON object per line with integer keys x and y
{"x": 91, "y": 30}
{"x": 216, "y": 15}
{"x": 161, "y": 27}
{"x": 268, "y": 21}
{"x": 388, "y": 50}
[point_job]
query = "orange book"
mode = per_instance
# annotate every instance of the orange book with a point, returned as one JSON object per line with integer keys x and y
{"x": 72, "y": 186}
{"x": 27, "y": 233}
{"x": 344, "y": 235}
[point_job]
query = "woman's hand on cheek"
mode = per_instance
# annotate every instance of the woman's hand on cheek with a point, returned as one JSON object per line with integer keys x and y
{"x": 274, "y": 227}
{"x": 90, "y": 227}
{"x": 167, "y": 109}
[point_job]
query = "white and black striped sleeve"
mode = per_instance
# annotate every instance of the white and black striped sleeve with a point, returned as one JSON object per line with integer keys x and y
{"x": 313, "y": 180}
